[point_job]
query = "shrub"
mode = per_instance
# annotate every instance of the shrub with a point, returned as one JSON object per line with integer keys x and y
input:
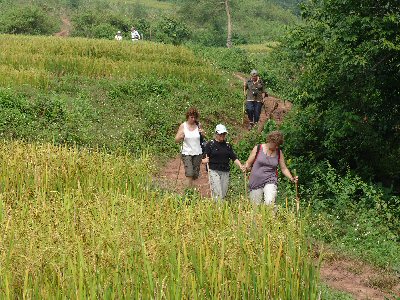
{"x": 233, "y": 59}
{"x": 171, "y": 31}
{"x": 27, "y": 19}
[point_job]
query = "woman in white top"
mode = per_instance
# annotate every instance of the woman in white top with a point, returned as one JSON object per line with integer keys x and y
{"x": 189, "y": 133}
{"x": 135, "y": 34}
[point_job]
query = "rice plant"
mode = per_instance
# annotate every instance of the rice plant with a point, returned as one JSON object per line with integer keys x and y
{"x": 86, "y": 224}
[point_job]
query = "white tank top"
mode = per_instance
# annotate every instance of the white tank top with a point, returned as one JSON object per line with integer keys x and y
{"x": 191, "y": 142}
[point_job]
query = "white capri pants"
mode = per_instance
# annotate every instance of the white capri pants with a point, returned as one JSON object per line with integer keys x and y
{"x": 219, "y": 181}
{"x": 269, "y": 192}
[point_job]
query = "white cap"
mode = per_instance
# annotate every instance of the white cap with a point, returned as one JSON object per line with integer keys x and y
{"x": 220, "y": 129}
{"x": 254, "y": 72}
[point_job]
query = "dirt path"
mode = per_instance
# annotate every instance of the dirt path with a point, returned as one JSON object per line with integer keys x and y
{"x": 65, "y": 27}
{"x": 342, "y": 274}
{"x": 173, "y": 177}
{"x": 360, "y": 280}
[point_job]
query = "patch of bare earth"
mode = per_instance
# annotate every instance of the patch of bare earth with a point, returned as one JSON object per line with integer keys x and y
{"x": 65, "y": 27}
{"x": 173, "y": 177}
{"x": 360, "y": 280}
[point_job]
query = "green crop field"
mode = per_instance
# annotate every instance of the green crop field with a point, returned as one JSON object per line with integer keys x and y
{"x": 85, "y": 224}
{"x": 87, "y": 122}
{"x": 78, "y": 220}
{"x": 107, "y": 94}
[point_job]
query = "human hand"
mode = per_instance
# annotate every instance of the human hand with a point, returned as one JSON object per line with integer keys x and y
{"x": 205, "y": 160}
{"x": 201, "y": 131}
{"x": 294, "y": 179}
{"x": 243, "y": 168}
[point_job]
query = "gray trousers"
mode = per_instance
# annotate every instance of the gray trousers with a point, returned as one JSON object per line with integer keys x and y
{"x": 219, "y": 182}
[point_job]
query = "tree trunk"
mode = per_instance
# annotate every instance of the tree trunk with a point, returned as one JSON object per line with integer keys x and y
{"x": 229, "y": 27}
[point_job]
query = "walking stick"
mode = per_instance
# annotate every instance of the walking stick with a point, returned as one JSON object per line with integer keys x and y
{"x": 244, "y": 104}
{"x": 297, "y": 197}
{"x": 245, "y": 184}
{"x": 179, "y": 168}
{"x": 297, "y": 193}
{"x": 209, "y": 179}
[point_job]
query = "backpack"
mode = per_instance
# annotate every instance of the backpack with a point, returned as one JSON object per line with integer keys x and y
{"x": 279, "y": 156}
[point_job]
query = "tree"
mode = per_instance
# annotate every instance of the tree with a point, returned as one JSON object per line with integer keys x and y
{"x": 27, "y": 19}
{"x": 229, "y": 25}
{"x": 208, "y": 18}
{"x": 343, "y": 68}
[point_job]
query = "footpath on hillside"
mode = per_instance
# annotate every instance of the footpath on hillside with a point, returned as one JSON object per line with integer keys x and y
{"x": 342, "y": 274}
{"x": 65, "y": 27}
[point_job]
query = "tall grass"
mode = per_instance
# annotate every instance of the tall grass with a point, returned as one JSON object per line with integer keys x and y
{"x": 38, "y": 60}
{"x": 79, "y": 224}
{"x": 111, "y": 94}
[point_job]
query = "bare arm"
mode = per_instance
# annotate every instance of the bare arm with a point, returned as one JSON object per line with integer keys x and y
{"x": 179, "y": 135}
{"x": 251, "y": 158}
{"x": 285, "y": 170}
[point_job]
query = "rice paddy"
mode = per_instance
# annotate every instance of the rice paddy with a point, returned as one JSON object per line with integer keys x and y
{"x": 85, "y": 224}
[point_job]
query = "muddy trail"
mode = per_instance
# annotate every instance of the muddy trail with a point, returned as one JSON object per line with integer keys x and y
{"x": 65, "y": 27}
{"x": 343, "y": 274}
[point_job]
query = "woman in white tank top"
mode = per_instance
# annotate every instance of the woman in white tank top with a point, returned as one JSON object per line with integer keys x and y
{"x": 189, "y": 134}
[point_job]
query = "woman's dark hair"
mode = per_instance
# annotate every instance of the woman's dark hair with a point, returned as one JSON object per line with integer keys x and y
{"x": 192, "y": 112}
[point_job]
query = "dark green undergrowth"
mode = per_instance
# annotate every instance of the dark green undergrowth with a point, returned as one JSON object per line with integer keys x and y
{"x": 356, "y": 218}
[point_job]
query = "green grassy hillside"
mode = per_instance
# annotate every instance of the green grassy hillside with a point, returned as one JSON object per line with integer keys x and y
{"x": 105, "y": 93}
{"x": 203, "y": 22}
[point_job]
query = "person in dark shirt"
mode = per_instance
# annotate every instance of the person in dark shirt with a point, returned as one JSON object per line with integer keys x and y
{"x": 217, "y": 154}
{"x": 254, "y": 90}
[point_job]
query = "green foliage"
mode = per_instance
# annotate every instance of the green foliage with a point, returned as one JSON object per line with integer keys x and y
{"x": 43, "y": 118}
{"x": 331, "y": 294}
{"x": 93, "y": 24}
{"x": 27, "y": 19}
{"x": 171, "y": 31}
{"x": 103, "y": 95}
{"x": 354, "y": 216}
{"x": 233, "y": 59}
{"x": 341, "y": 69}
{"x": 253, "y": 21}
{"x": 104, "y": 31}
{"x": 203, "y": 22}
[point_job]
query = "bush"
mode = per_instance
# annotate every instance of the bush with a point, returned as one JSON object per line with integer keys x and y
{"x": 44, "y": 118}
{"x": 27, "y": 19}
{"x": 233, "y": 59}
{"x": 354, "y": 215}
{"x": 92, "y": 24}
{"x": 171, "y": 31}
{"x": 104, "y": 31}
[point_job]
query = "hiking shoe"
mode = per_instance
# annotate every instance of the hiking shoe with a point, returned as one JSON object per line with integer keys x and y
{"x": 250, "y": 126}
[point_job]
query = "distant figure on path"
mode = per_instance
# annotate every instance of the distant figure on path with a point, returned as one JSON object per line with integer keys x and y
{"x": 135, "y": 34}
{"x": 254, "y": 90}
{"x": 217, "y": 154}
{"x": 189, "y": 134}
{"x": 263, "y": 162}
{"x": 118, "y": 36}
